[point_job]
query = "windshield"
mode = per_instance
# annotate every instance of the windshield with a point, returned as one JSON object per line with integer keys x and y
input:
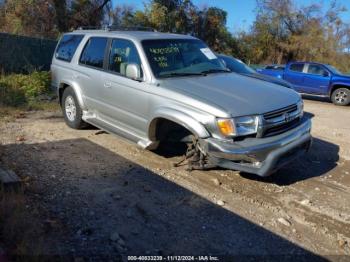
{"x": 334, "y": 70}
{"x": 237, "y": 66}
{"x": 181, "y": 57}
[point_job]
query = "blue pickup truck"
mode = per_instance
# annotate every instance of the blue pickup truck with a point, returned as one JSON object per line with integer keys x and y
{"x": 314, "y": 79}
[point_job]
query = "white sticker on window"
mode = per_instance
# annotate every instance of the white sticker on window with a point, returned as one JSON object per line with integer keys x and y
{"x": 208, "y": 53}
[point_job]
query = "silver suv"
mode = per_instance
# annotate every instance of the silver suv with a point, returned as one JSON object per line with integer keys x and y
{"x": 154, "y": 87}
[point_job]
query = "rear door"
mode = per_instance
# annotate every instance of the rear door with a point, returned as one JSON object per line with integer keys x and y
{"x": 294, "y": 74}
{"x": 316, "y": 79}
{"x": 91, "y": 64}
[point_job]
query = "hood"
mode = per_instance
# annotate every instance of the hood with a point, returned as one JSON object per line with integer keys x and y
{"x": 236, "y": 94}
{"x": 341, "y": 76}
{"x": 271, "y": 79}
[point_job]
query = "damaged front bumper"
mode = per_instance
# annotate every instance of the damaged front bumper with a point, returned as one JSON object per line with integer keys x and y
{"x": 260, "y": 156}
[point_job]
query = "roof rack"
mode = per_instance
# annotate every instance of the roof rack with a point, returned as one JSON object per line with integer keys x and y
{"x": 118, "y": 28}
{"x": 90, "y": 28}
{"x": 132, "y": 28}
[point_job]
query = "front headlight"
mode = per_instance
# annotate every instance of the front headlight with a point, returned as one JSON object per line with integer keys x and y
{"x": 238, "y": 126}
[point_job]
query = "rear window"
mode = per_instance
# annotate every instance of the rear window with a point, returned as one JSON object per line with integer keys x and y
{"x": 67, "y": 47}
{"x": 94, "y": 52}
{"x": 296, "y": 67}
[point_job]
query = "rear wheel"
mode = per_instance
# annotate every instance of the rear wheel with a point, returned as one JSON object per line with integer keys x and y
{"x": 71, "y": 110}
{"x": 341, "y": 97}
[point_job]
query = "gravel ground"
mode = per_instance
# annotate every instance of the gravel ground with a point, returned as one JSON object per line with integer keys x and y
{"x": 99, "y": 195}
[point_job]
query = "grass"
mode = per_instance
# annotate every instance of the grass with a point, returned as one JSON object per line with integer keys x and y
{"x": 19, "y": 89}
{"x": 19, "y": 92}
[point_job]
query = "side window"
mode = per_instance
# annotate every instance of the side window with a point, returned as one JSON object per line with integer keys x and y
{"x": 122, "y": 53}
{"x": 94, "y": 52}
{"x": 296, "y": 67}
{"x": 274, "y": 67}
{"x": 67, "y": 47}
{"x": 316, "y": 70}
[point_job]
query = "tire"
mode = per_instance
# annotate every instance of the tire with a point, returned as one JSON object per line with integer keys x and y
{"x": 341, "y": 96}
{"x": 72, "y": 112}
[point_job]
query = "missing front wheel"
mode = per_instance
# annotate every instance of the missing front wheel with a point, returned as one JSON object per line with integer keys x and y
{"x": 195, "y": 157}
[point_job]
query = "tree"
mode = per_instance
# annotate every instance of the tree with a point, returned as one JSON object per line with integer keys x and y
{"x": 284, "y": 31}
{"x": 49, "y": 18}
{"x": 87, "y": 13}
{"x": 211, "y": 27}
{"x": 180, "y": 16}
{"x": 61, "y": 15}
{"x": 29, "y": 17}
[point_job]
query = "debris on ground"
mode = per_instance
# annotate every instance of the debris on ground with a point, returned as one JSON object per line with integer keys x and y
{"x": 284, "y": 221}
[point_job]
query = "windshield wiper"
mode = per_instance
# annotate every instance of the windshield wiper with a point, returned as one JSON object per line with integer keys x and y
{"x": 213, "y": 71}
{"x": 181, "y": 74}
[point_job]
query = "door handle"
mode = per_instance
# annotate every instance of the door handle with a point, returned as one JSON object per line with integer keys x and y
{"x": 107, "y": 84}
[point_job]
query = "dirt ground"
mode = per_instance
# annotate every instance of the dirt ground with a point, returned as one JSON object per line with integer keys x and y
{"x": 98, "y": 195}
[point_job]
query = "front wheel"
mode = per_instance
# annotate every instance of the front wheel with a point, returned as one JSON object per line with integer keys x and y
{"x": 341, "y": 97}
{"x": 71, "y": 110}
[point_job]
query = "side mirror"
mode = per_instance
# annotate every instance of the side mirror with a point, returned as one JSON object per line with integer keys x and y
{"x": 325, "y": 74}
{"x": 133, "y": 71}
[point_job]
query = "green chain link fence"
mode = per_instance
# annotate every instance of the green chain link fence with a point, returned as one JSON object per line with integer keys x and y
{"x": 21, "y": 54}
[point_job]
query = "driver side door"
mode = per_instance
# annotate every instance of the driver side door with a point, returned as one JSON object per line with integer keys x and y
{"x": 317, "y": 79}
{"x": 126, "y": 98}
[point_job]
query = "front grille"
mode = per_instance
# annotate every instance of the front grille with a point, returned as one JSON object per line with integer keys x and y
{"x": 281, "y": 128}
{"x": 280, "y": 112}
{"x": 281, "y": 120}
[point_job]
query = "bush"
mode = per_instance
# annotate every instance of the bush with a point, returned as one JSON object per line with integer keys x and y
{"x": 18, "y": 89}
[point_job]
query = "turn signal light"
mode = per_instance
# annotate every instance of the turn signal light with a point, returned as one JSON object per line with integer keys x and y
{"x": 226, "y": 127}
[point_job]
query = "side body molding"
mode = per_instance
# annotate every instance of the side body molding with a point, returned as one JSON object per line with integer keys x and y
{"x": 181, "y": 118}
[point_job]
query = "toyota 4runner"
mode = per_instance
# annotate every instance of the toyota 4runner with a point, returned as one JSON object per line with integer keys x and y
{"x": 152, "y": 87}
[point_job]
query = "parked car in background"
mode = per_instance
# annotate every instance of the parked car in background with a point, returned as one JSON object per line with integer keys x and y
{"x": 152, "y": 87}
{"x": 237, "y": 66}
{"x": 315, "y": 79}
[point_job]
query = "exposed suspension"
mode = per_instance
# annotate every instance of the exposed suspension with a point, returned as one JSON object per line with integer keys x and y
{"x": 195, "y": 158}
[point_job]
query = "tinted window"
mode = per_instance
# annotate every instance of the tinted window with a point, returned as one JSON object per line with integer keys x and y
{"x": 316, "y": 70}
{"x": 94, "y": 52}
{"x": 274, "y": 67}
{"x": 297, "y": 67}
{"x": 67, "y": 47}
{"x": 122, "y": 53}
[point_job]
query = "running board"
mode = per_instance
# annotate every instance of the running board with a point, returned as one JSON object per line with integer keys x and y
{"x": 315, "y": 95}
{"x": 119, "y": 131}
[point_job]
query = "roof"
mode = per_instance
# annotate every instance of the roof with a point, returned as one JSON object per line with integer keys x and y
{"x": 135, "y": 35}
{"x": 307, "y": 62}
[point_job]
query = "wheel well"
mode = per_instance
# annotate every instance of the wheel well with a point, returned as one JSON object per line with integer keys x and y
{"x": 335, "y": 87}
{"x": 172, "y": 137}
{"x": 163, "y": 129}
{"x": 61, "y": 91}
